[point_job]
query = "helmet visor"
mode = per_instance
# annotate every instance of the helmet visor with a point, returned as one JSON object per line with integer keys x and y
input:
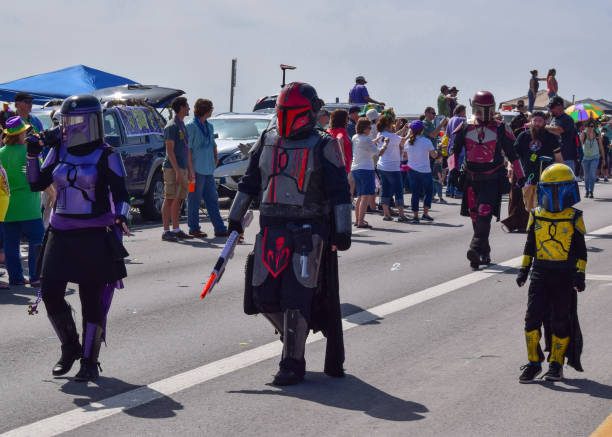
{"x": 80, "y": 129}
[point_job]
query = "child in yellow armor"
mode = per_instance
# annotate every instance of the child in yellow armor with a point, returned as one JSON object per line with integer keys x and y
{"x": 556, "y": 248}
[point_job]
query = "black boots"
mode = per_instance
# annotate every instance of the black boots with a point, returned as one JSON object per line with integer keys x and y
{"x": 64, "y": 327}
{"x": 292, "y": 366}
{"x": 92, "y": 339}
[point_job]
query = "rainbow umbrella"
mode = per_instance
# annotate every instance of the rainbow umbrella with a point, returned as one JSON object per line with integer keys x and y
{"x": 584, "y": 111}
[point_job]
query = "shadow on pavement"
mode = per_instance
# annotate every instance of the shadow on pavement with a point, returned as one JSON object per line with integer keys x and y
{"x": 349, "y": 393}
{"x": 348, "y": 309}
{"x": 106, "y": 393}
{"x": 442, "y": 225}
{"x": 599, "y": 237}
{"x": 594, "y": 249}
{"x": 583, "y": 386}
{"x": 355, "y": 239}
{"x": 394, "y": 231}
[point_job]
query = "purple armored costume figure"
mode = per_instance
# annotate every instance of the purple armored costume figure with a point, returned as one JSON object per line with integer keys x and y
{"x": 82, "y": 244}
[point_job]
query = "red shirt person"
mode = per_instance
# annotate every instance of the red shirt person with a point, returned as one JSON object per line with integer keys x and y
{"x": 337, "y": 129}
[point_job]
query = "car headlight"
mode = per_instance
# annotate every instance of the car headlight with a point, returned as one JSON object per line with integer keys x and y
{"x": 234, "y": 157}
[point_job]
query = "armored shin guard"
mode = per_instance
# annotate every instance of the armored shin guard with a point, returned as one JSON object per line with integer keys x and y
{"x": 534, "y": 351}
{"x": 293, "y": 365}
{"x": 92, "y": 340}
{"x": 64, "y": 327}
{"x": 558, "y": 348}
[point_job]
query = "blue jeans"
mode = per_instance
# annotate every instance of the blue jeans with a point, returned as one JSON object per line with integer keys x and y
{"x": 421, "y": 183}
{"x": 206, "y": 188}
{"x": 590, "y": 173}
{"x": 437, "y": 189}
{"x": 33, "y": 231}
{"x": 391, "y": 186}
{"x": 531, "y": 98}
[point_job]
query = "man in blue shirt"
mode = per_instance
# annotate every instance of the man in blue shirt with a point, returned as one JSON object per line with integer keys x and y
{"x": 359, "y": 93}
{"x": 23, "y": 104}
{"x": 203, "y": 156}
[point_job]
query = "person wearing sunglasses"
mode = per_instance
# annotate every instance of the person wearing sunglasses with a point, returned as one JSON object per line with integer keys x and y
{"x": 593, "y": 151}
{"x": 23, "y": 104}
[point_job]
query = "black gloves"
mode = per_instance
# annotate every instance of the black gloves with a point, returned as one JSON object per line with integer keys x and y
{"x": 521, "y": 278}
{"x": 234, "y": 225}
{"x": 578, "y": 282}
{"x": 342, "y": 240}
{"x": 33, "y": 145}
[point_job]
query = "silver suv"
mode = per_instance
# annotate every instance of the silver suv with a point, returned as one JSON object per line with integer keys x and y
{"x": 235, "y": 134}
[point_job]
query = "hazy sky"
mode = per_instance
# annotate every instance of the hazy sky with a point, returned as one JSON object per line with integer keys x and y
{"x": 406, "y": 49}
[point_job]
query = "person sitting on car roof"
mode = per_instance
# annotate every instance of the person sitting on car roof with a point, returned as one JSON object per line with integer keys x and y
{"x": 359, "y": 93}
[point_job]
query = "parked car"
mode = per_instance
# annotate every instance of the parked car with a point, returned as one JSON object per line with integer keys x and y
{"x": 135, "y": 129}
{"x": 235, "y": 135}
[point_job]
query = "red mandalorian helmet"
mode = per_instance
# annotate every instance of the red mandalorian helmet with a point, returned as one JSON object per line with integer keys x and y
{"x": 297, "y": 107}
{"x": 483, "y": 106}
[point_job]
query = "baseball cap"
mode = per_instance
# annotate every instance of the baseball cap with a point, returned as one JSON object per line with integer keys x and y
{"x": 454, "y": 89}
{"x": 354, "y": 109}
{"x": 416, "y": 125}
{"x": 360, "y": 79}
{"x": 555, "y": 101}
{"x": 21, "y": 96}
{"x": 372, "y": 114}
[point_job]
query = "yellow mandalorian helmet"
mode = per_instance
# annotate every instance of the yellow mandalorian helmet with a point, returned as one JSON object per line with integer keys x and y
{"x": 557, "y": 189}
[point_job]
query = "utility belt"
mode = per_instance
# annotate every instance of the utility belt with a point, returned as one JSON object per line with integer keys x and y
{"x": 568, "y": 265}
{"x": 292, "y": 248}
{"x": 309, "y": 211}
{"x": 485, "y": 175}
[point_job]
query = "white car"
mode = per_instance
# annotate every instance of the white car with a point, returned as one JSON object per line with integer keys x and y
{"x": 235, "y": 134}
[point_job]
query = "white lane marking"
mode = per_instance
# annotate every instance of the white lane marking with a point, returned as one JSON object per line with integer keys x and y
{"x": 599, "y": 278}
{"x": 101, "y": 409}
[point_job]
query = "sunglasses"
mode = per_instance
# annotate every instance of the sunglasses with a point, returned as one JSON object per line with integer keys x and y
{"x": 27, "y": 101}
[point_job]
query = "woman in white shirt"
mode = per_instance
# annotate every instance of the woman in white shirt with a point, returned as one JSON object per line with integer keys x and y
{"x": 419, "y": 149}
{"x": 362, "y": 169}
{"x": 389, "y": 168}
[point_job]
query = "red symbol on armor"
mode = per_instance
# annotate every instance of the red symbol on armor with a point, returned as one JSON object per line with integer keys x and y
{"x": 481, "y": 135}
{"x": 282, "y": 161}
{"x": 277, "y": 258}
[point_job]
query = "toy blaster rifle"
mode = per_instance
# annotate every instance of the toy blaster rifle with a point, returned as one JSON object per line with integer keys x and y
{"x": 226, "y": 254}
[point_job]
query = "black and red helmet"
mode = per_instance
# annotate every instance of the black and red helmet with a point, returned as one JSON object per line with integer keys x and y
{"x": 483, "y": 106}
{"x": 297, "y": 107}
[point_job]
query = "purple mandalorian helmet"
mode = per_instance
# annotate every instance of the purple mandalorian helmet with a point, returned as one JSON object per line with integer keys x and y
{"x": 81, "y": 120}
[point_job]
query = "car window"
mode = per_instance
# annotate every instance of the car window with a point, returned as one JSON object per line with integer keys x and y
{"x": 111, "y": 129}
{"x": 239, "y": 128}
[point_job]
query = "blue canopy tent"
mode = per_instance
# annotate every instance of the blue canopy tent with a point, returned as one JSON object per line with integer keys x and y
{"x": 60, "y": 84}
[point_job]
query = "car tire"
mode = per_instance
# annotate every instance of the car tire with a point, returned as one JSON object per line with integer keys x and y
{"x": 151, "y": 210}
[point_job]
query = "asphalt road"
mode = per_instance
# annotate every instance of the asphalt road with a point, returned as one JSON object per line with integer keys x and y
{"x": 431, "y": 348}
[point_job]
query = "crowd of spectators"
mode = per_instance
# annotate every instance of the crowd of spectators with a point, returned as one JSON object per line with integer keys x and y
{"x": 384, "y": 156}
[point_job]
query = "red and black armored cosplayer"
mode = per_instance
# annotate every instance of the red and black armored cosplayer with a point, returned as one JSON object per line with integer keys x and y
{"x": 305, "y": 215}
{"x": 482, "y": 178}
